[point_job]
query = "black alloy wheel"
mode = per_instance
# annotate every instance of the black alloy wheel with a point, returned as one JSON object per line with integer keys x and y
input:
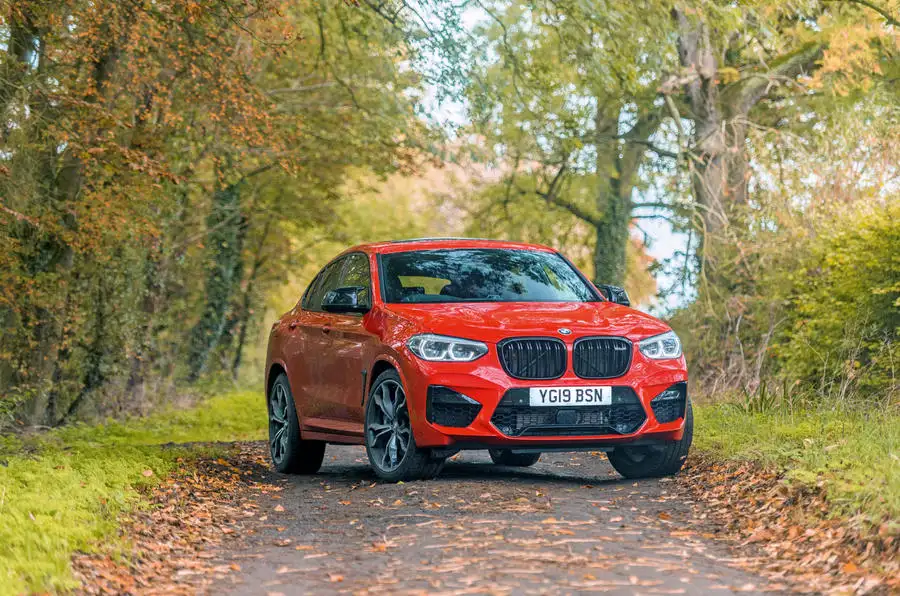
{"x": 290, "y": 453}
{"x": 390, "y": 443}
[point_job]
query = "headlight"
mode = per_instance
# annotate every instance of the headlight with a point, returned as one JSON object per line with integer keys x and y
{"x": 661, "y": 347}
{"x": 440, "y": 348}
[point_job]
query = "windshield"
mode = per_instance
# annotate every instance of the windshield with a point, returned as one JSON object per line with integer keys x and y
{"x": 481, "y": 275}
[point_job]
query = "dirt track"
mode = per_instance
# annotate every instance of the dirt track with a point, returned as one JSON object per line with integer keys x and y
{"x": 567, "y": 525}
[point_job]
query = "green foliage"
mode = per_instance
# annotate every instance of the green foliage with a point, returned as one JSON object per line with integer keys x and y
{"x": 159, "y": 169}
{"x": 64, "y": 491}
{"x": 806, "y": 293}
{"x": 563, "y": 106}
{"x": 843, "y": 319}
{"x": 849, "y": 453}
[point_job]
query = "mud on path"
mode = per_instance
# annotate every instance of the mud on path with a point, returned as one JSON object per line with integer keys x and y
{"x": 567, "y": 525}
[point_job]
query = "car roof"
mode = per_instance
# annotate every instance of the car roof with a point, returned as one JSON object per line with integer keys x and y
{"x": 414, "y": 244}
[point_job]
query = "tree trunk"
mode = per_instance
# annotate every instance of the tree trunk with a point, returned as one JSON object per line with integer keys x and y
{"x": 246, "y": 308}
{"x": 619, "y": 158}
{"x": 720, "y": 173}
{"x": 612, "y": 234}
{"x": 709, "y": 175}
{"x": 615, "y": 213}
{"x": 227, "y": 230}
{"x": 50, "y": 251}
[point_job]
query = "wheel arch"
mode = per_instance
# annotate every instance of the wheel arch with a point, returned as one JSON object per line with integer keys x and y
{"x": 379, "y": 367}
{"x": 275, "y": 369}
{"x": 382, "y": 363}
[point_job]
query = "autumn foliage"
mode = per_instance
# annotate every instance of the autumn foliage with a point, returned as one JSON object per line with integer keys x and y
{"x": 156, "y": 159}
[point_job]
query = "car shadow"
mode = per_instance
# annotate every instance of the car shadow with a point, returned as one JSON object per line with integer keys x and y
{"x": 473, "y": 471}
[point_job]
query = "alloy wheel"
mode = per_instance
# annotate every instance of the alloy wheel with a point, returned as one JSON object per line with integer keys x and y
{"x": 388, "y": 428}
{"x": 278, "y": 423}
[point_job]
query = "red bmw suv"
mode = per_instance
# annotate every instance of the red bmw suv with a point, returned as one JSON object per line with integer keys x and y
{"x": 420, "y": 348}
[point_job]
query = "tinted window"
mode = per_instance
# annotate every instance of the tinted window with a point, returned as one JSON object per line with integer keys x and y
{"x": 328, "y": 279}
{"x": 356, "y": 273}
{"x": 310, "y": 290}
{"x": 481, "y": 275}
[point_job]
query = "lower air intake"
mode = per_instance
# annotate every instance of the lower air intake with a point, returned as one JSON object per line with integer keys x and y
{"x": 669, "y": 405}
{"x": 514, "y": 416}
{"x": 450, "y": 408}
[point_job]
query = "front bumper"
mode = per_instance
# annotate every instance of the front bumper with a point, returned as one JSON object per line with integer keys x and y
{"x": 485, "y": 382}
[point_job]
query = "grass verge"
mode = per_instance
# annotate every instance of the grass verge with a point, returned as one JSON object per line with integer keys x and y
{"x": 64, "y": 491}
{"x": 853, "y": 456}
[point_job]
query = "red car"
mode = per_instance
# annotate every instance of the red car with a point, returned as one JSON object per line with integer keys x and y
{"x": 420, "y": 348}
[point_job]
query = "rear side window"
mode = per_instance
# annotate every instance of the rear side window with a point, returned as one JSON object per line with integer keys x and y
{"x": 328, "y": 279}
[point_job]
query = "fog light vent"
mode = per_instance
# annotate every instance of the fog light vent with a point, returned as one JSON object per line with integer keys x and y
{"x": 450, "y": 408}
{"x": 669, "y": 405}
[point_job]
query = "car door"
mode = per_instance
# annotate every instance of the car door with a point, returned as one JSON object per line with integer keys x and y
{"x": 316, "y": 358}
{"x": 353, "y": 346}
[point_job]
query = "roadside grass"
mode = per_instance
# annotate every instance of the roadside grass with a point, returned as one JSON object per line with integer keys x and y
{"x": 853, "y": 455}
{"x": 64, "y": 491}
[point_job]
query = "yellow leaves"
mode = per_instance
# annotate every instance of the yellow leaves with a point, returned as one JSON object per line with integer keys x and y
{"x": 853, "y": 55}
{"x": 728, "y": 75}
{"x": 194, "y": 10}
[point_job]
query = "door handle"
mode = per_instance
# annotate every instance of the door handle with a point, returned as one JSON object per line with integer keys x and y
{"x": 326, "y": 329}
{"x": 293, "y": 325}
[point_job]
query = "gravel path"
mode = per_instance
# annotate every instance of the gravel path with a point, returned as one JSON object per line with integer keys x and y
{"x": 567, "y": 525}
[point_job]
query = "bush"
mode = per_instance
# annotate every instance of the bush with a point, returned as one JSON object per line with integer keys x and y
{"x": 844, "y": 311}
{"x": 805, "y": 301}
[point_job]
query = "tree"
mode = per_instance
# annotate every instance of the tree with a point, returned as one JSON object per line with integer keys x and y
{"x": 638, "y": 93}
{"x": 157, "y": 160}
{"x": 560, "y": 96}
{"x": 749, "y": 65}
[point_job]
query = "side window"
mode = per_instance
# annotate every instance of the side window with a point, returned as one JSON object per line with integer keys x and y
{"x": 356, "y": 273}
{"x": 310, "y": 289}
{"x": 328, "y": 279}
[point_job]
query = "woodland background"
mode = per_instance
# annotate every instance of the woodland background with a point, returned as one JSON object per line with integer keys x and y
{"x": 173, "y": 172}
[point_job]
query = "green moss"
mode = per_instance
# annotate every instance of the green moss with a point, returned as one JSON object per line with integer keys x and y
{"x": 853, "y": 455}
{"x": 65, "y": 490}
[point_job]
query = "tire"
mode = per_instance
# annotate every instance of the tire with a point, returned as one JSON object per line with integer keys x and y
{"x": 656, "y": 461}
{"x": 387, "y": 421}
{"x": 506, "y": 457}
{"x": 290, "y": 454}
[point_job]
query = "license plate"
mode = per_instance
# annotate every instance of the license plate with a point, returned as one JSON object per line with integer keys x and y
{"x": 570, "y": 396}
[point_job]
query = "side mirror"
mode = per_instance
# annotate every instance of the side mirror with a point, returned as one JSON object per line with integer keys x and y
{"x": 350, "y": 299}
{"x": 614, "y": 294}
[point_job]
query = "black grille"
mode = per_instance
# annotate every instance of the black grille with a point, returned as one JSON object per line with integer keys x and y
{"x": 516, "y": 418}
{"x": 601, "y": 357}
{"x": 450, "y": 408}
{"x": 669, "y": 405}
{"x": 533, "y": 357}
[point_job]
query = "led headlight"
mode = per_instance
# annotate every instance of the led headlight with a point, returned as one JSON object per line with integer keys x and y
{"x": 440, "y": 348}
{"x": 661, "y": 347}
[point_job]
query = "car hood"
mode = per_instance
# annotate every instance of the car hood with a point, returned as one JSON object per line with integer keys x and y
{"x": 495, "y": 321}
